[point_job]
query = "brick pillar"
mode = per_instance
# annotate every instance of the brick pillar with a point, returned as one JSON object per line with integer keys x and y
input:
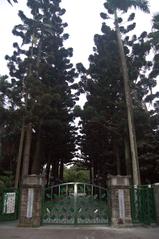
{"x": 156, "y": 194}
{"x": 31, "y": 201}
{"x": 120, "y": 204}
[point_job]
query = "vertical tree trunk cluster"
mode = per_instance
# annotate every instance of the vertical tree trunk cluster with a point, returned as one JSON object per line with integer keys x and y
{"x": 23, "y": 159}
{"x": 129, "y": 106}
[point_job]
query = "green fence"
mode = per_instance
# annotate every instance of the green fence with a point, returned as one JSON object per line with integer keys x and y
{"x": 143, "y": 205}
{"x": 9, "y": 204}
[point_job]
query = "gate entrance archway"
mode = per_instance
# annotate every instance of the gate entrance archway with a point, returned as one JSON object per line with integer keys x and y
{"x": 76, "y": 203}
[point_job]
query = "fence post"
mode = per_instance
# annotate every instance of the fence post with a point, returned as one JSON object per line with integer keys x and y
{"x": 31, "y": 201}
{"x": 156, "y": 195}
{"x": 119, "y": 187}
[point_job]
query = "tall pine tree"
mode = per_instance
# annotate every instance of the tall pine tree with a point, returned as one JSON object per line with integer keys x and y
{"x": 42, "y": 76}
{"x": 105, "y": 143}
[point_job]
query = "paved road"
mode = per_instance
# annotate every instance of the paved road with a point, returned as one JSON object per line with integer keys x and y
{"x": 48, "y": 232}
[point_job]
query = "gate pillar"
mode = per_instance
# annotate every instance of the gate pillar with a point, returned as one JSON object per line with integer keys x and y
{"x": 31, "y": 201}
{"x": 156, "y": 195}
{"x": 119, "y": 200}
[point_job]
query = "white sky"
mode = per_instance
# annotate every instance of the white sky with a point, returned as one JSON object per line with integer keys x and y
{"x": 83, "y": 19}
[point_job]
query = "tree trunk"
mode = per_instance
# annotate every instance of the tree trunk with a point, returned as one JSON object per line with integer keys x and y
{"x": 19, "y": 158}
{"x": 91, "y": 174}
{"x": 91, "y": 171}
{"x": 95, "y": 172}
{"x": 54, "y": 173}
{"x": 48, "y": 174}
{"x": 127, "y": 156}
{"x": 118, "y": 164}
{"x": 61, "y": 171}
{"x": 0, "y": 143}
{"x": 132, "y": 135}
{"x": 26, "y": 158}
{"x": 35, "y": 169}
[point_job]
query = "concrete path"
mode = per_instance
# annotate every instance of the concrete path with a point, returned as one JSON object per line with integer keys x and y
{"x": 10, "y": 231}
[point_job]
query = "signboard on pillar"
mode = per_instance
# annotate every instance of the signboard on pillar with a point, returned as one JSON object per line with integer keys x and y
{"x": 121, "y": 200}
{"x": 30, "y": 203}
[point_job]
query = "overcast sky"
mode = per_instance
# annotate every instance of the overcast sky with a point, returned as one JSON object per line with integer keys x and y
{"x": 83, "y": 19}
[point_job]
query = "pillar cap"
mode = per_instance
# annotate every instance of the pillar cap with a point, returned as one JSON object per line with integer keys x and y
{"x": 119, "y": 180}
{"x": 33, "y": 179}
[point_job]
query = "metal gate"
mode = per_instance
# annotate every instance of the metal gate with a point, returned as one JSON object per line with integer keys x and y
{"x": 143, "y": 205}
{"x": 9, "y": 201}
{"x": 75, "y": 203}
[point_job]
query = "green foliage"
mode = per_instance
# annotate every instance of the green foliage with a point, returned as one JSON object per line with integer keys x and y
{"x": 124, "y": 5}
{"x": 10, "y": 1}
{"x": 75, "y": 174}
{"x": 39, "y": 92}
{"x": 103, "y": 120}
{"x": 6, "y": 181}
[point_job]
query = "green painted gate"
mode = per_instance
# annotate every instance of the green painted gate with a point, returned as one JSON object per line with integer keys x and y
{"x": 9, "y": 202}
{"x": 143, "y": 205}
{"x": 75, "y": 203}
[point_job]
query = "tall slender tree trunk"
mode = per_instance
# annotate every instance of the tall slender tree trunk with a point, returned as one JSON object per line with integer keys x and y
{"x": 48, "y": 174}
{"x": 132, "y": 135}
{"x": 118, "y": 164}
{"x": 19, "y": 158}
{"x": 127, "y": 156}
{"x": 91, "y": 174}
{"x": 28, "y": 130}
{"x": 0, "y": 143}
{"x": 35, "y": 169}
{"x": 61, "y": 170}
{"x": 36, "y": 165}
{"x": 27, "y": 147}
{"x": 55, "y": 171}
{"x": 95, "y": 171}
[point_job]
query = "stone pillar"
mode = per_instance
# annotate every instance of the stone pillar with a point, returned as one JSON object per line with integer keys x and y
{"x": 31, "y": 201}
{"x": 120, "y": 203}
{"x": 156, "y": 194}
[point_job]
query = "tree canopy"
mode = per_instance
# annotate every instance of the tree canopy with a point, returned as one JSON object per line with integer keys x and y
{"x": 39, "y": 98}
{"x": 104, "y": 141}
